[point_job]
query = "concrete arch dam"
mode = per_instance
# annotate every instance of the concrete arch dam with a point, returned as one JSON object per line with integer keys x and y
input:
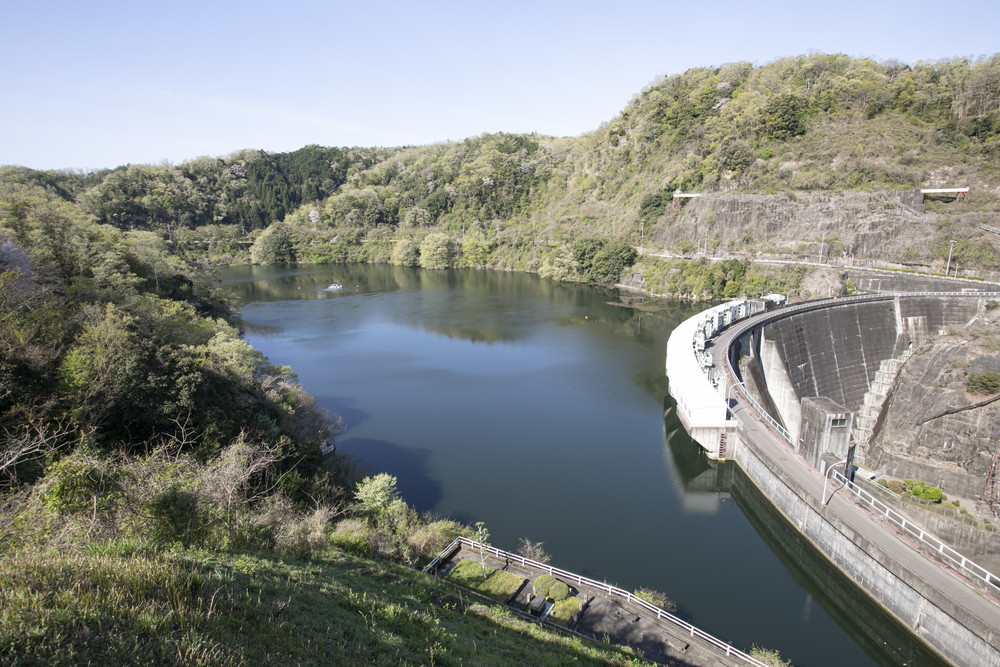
{"x": 785, "y": 393}
{"x": 840, "y": 359}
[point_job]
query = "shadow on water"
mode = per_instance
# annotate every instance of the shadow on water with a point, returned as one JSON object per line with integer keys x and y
{"x": 344, "y": 407}
{"x": 407, "y": 464}
{"x": 879, "y": 635}
{"x": 885, "y": 640}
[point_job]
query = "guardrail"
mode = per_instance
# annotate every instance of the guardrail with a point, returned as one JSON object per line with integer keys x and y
{"x": 598, "y": 585}
{"x": 971, "y": 569}
{"x": 990, "y": 581}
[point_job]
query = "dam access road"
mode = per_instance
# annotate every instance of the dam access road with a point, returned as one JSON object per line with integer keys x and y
{"x": 948, "y": 611}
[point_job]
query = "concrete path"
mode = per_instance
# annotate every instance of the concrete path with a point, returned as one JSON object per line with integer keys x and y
{"x": 614, "y": 621}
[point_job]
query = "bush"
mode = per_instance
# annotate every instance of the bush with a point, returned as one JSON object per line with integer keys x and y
{"x": 983, "y": 383}
{"x": 548, "y": 586}
{"x": 923, "y": 490}
{"x": 174, "y": 516}
{"x": 436, "y": 251}
{"x": 80, "y": 482}
{"x": 656, "y": 598}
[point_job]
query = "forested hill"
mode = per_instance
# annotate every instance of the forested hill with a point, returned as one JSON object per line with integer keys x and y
{"x": 808, "y": 124}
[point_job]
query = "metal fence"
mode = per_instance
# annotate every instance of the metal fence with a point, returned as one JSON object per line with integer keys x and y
{"x": 990, "y": 581}
{"x": 610, "y": 590}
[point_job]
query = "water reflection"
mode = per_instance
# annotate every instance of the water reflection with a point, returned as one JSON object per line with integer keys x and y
{"x": 707, "y": 483}
{"x": 537, "y": 407}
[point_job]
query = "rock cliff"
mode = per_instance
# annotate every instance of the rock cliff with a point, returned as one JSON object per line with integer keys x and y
{"x": 886, "y": 226}
{"x": 933, "y": 429}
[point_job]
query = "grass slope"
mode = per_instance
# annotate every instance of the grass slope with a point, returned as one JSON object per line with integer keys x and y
{"x": 110, "y": 606}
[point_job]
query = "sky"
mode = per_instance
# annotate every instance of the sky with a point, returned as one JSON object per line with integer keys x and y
{"x": 88, "y": 85}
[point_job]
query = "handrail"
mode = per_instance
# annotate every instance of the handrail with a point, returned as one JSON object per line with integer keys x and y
{"x": 601, "y": 586}
{"x": 973, "y": 570}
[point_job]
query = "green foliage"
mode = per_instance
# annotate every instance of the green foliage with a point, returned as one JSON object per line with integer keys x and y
{"x": 734, "y": 155}
{"x": 770, "y": 657}
{"x": 784, "y": 117}
{"x": 173, "y": 516}
{"x": 80, "y": 482}
{"x": 194, "y": 608}
{"x": 550, "y": 587}
{"x": 922, "y": 490}
{"x": 655, "y": 204}
{"x": 564, "y": 611}
{"x": 656, "y": 598}
{"x": 496, "y": 584}
{"x": 274, "y": 246}
{"x": 375, "y": 495}
{"x": 603, "y": 261}
{"x": 436, "y": 251}
{"x": 477, "y": 251}
{"x": 406, "y": 252}
{"x": 983, "y": 383}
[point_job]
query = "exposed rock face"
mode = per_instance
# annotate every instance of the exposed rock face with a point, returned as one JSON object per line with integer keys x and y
{"x": 916, "y": 438}
{"x": 889, "y": 226}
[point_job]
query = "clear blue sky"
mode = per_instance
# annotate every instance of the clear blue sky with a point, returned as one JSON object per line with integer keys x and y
{"x": 100, "y": 83}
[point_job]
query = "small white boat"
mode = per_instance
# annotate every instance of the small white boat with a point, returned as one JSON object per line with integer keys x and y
{"x": 334, "y": 287}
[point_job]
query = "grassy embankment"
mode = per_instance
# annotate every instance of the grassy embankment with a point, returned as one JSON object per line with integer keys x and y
{"x": 115, "y": 605}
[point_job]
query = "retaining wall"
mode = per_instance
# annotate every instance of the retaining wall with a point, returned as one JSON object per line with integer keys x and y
{"x": 956, "y": 634}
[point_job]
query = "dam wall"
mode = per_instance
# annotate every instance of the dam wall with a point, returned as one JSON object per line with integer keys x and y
{"x": 838, "y": 352}
{"x": 843, "y": 350}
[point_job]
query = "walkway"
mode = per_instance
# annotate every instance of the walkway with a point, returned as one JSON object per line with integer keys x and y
{"x": 607, "y": 617}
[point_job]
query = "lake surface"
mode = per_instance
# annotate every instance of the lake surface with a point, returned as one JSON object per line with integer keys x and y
{"x": 541, "y": 409}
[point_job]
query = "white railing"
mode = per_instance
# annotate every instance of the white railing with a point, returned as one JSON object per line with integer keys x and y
{"x": 969, "y": 568}
{"x": 598, "y": 585}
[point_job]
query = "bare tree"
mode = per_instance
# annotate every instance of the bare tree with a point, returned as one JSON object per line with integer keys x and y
{"x": 533, "y": 550}
{"x": 30, "y": 443}
{"x": 229, "y": 479}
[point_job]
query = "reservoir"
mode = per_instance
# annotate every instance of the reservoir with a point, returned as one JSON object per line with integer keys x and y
{"x": 541, "y": 408}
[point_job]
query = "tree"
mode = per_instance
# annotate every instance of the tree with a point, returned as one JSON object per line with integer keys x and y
{"x": 784, "y": 117}
{"x": 436, "y": 251}
{"x": 611, "y": 261}
{"x": 376, "y": 494}
{"x": 734, "y": 155}
{"x": 273, "y": 246}
{"x": 483, "y": 537}
{"x": 406, "y": 252}
{"x": 533, "y": 550}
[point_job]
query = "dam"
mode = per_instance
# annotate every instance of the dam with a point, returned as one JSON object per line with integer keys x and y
{"x": 793, "y": 395}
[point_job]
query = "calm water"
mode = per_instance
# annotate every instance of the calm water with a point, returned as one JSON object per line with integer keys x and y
{"x": 542, "y": 409}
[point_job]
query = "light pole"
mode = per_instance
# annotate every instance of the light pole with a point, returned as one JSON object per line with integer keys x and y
{"x": 826, "y": 478}
{"x": 951, "y": 247}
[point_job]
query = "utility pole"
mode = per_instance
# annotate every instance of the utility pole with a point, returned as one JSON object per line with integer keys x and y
{"x": 951, "y": 247}
{"x": 821, "y": 244}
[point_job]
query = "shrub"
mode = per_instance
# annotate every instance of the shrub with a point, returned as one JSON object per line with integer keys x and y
{"x": 436, "y": 251}
{"x": 923, "y": 490}
{"x": 983, "y": 383}
{"x": 174, "y": 516}
{"x": 657, "y": 598}
{"x": 548, "y": 586}
{"x": 406, "y": 252}
{"x": 80, "y": 482}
